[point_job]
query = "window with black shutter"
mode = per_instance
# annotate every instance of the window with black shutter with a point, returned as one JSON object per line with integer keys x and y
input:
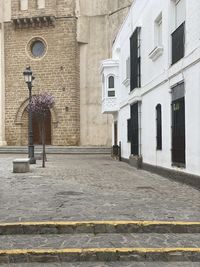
{"x": 178, "y": 43}
{"x": 158, "y": 127}
{"x": 135, "y": 78}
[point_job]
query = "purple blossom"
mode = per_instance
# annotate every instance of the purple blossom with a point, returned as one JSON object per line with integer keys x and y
{"x": 40, "y": 104}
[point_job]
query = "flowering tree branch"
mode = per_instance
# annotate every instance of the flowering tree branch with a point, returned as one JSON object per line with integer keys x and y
{"x": 41, "y": 103}
{"x": 40, "y": 106}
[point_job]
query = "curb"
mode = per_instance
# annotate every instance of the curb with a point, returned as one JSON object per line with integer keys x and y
{"x": 99, "y": 227}
{"x": 101, "y": 254}
{"x": 58, "y": 150}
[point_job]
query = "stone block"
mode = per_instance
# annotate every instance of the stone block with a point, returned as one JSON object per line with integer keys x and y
{"x": 21, "y": 165}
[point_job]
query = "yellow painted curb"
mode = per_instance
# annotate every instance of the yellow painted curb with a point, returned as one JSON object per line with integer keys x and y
{"x": 91, "y": 223}
{"x": 97, "y": 250}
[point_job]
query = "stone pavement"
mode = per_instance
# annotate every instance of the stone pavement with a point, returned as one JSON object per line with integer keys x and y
{"x": 94, "y": 187}
{"x": 107, "y": 264}
{"x": 99, "y": 241}
{"x": 91, "y": 187}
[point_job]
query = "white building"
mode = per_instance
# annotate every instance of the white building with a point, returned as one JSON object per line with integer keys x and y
{"x": 152, "y": 85}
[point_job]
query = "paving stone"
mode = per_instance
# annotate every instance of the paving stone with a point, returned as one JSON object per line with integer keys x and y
{"x": 106, "y": 264}
{"x": 88, "y": 187}
{"x": 92, "y": 187}
{"x": 99, "y": 241}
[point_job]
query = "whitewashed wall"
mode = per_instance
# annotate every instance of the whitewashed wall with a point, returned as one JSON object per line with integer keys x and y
{"x": 124, "y": 114}
{"x": 157, "y": 78}
{"x": 192, "y": 119}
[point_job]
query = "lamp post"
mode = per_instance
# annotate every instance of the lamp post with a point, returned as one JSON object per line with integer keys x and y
{"x": 28, "y": 77}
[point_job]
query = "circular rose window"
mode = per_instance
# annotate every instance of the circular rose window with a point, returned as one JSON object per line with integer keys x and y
{"x": 37, "y": 48}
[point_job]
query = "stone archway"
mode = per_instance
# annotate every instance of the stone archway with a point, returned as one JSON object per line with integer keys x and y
{"x": 21, "y": 119}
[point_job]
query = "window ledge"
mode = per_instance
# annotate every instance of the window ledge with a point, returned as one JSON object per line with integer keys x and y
{"x": 126, "y": 82}
{"x": 156, "y": 53}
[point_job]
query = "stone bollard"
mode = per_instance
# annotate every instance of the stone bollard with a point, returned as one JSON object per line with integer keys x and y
{"x": 21, "y": 165}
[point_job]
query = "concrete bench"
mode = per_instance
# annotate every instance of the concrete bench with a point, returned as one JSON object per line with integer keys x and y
{"x": 21, "y": 165}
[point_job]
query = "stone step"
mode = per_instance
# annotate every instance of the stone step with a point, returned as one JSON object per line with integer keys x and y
{"x": 98, "y": 227}
{"x": 99, "y": 241}
{"x": 116, "y": 241}
{"x": 57, "y": 150}
{"x": 101, "y": 254}
{"x": 105, "y": 264}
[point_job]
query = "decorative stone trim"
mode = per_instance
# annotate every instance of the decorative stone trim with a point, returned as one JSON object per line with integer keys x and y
{"x": 43, "y": 21}
{"x": 156, "y": 53}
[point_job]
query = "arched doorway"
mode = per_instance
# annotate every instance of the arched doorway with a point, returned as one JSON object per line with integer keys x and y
{"x": 37, "y": 139}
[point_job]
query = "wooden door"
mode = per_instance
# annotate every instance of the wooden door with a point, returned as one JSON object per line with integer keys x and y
{"x": 178, "y": 131}
{"x": 37, "y": 138}
{"x": 134, "y": 130}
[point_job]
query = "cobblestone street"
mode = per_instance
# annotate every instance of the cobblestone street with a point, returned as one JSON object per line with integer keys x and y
{"x": 101, "y": 264}
{"x": 92, "y": 187}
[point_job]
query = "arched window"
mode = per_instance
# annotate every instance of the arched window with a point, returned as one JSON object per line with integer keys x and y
{"x": 111, "y": 82}
{"x": 111, "y": 86}
{"x": 158, "y": 127}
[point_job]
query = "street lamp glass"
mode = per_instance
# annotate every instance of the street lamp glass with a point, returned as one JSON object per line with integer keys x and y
{"x": 28, "y": 75}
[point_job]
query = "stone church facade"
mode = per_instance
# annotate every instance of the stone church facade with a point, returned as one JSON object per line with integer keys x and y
{"x": 63, "y": 42}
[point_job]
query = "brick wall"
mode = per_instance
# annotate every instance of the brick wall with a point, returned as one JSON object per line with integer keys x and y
{"x": 56, "y": 73}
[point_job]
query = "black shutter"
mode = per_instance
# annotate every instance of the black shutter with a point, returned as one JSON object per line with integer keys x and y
{"x": 159, "y": 127}
{"x": 115, "y": 134}
{"x": 134, "y": 130}
{"x": 129, "y": 130}
{"x": 178, "y": 43}
{"x": 135, "y": 59}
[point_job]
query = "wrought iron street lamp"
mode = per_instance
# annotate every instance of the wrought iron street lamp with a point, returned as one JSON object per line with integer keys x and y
{"x": 28, "y": 77}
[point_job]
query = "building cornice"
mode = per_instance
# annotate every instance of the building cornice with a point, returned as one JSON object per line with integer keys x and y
{"x": 33, "y": 22}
